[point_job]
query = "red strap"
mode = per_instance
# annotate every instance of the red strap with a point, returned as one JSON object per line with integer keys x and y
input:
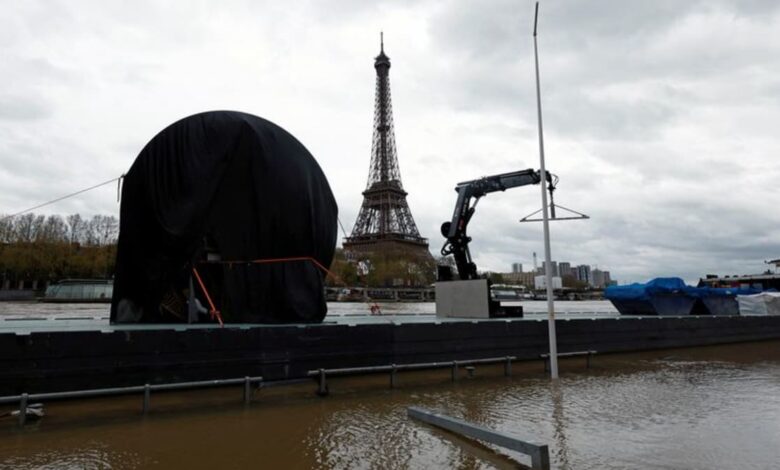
{"x": 214, "y": 313}
{"x": 284, "y": 260}
{"x": 270, "y": 261}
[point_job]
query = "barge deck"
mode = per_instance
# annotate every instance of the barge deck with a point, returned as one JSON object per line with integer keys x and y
{"x": 57, "y": 353}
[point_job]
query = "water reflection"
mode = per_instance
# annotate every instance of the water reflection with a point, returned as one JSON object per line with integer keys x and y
{"x": 716, "y": 407}
{"x": 561, "y": 447}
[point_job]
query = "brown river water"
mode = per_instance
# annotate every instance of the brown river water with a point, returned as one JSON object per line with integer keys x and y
{"x": 698, "y": 408}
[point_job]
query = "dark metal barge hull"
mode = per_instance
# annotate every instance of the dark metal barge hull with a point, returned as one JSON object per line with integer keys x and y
{"x": 96, "y": 354}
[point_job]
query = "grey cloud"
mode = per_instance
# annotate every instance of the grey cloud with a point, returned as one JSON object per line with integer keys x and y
{"x": 582, "y": 116}
{"x": 23, "y": 108}
{"x": 585, "y": 46}
{"x": 659, "y": 119}
{"x": 26, "y": 70}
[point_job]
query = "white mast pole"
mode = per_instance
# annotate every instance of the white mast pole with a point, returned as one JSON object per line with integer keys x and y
{"x": 545, "y": 221}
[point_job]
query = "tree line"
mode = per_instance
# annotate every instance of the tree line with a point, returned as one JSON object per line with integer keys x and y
{"x": 392, "y": 269}
{"x": 39, "y": 247}
{"x": 52, "y": 248}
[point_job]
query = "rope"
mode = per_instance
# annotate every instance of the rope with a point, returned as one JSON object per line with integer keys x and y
{"x": 119, "y": 187}
{"x": 283, "y": 260}
{"x": 213, "y": 312}
{"x": 61, "y": 198}
{"x": 342, "y": 227}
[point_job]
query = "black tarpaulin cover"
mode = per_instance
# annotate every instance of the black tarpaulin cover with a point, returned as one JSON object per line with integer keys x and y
{"x": 230, "y": 186}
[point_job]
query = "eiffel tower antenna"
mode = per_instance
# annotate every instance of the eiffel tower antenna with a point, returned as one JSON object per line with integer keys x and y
{"x": 385, "y": 221}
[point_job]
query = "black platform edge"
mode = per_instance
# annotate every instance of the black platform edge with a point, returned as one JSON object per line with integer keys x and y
{"x": 59, "y": 361}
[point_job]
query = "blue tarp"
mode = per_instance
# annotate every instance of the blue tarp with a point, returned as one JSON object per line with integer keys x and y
{"x": 643, "y": 291}
{"x": 670, "y": 285}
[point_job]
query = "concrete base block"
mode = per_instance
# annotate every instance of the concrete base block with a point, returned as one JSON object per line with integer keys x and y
{"x": 463, "y": 299}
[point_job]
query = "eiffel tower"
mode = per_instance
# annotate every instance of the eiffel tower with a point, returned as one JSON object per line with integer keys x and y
{"x": 385, "y": 223}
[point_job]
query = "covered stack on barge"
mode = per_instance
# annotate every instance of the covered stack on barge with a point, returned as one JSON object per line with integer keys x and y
{"x": 671, "y": 296}
{"x": 224, "y": 216}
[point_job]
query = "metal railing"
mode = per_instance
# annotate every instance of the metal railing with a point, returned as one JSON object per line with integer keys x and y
{"x": 588, "y": 354}
{"x": 321, "y": 375}
{"x": 146, "y": 389}
{"x": 393, "y": 369}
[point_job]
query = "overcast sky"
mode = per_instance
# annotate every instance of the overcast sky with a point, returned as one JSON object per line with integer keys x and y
{"x": 661, "y": 118}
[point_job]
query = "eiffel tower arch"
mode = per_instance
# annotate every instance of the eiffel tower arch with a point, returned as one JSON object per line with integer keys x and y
{"x": 385, "y": 225}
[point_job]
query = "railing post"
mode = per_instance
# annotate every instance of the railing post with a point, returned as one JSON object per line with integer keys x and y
{"x": 147, "y": 397}
{"x": 23, "y": 410}
{"x": 508, "y": 366}
{"x": 247, "y": 390}
{"x": 322, "y": 390}
{"x": 393, "y": 373}
{"x": 587, "y": 360}
{"x": 454, "y": 371}
{"x": 541, "y": 458}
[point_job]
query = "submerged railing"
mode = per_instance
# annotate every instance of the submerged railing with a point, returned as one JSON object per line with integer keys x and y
{"x": 146, "y": 389}
{"x": 322, "y": 374}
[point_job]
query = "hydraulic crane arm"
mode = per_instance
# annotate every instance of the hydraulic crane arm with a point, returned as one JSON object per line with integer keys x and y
{"x": 454, "y": 231}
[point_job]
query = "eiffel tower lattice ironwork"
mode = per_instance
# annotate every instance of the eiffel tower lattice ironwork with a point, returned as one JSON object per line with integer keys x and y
{"x": 385, "y": 218}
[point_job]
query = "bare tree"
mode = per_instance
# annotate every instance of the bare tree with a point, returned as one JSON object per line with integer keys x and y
{"x": 6, "y": 229}
{"x": 107, "y": 229}
{"x": 91, "y": 230}
{"x": 76, "y": 226}
{"x": 24, "y": 228}
{"x": 37, "y": 228}
{"x": 54, "y": 230}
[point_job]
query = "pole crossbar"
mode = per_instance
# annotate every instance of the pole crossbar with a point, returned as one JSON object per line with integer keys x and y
{"x": 579, "y": 216}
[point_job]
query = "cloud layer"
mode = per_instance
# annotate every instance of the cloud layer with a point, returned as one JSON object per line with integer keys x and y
{"x": 660, "y": 117}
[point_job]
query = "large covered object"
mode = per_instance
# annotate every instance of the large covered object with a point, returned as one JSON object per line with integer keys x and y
{"x": 229, "y": 209}
{"x": 660, "y": 296}
{"x": 671, "y": 296}
{"x": 764, "y": 303}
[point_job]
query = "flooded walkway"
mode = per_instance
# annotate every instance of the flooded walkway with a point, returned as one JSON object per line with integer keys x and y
{"x": 711, "y": 407}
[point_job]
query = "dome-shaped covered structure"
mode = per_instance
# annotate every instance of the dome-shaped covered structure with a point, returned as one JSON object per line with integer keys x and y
{"x": 229, "y": 194}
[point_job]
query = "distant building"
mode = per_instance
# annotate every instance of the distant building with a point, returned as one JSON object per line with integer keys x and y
{"x": 517, "y": 267}
{"x": 522, "y": 279}
{"x": 540, "y": 282}
{"x": 583, "y": 274}
{"x": 554, "y": 266}
{"x": 564, "y": 269}
{"x": 597, "y": 278}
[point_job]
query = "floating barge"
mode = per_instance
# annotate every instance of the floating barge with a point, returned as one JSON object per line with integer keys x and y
{"x": 671, "y": 296}
{"x": 72, "y": 353}
{"x": 80, "y": 291}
